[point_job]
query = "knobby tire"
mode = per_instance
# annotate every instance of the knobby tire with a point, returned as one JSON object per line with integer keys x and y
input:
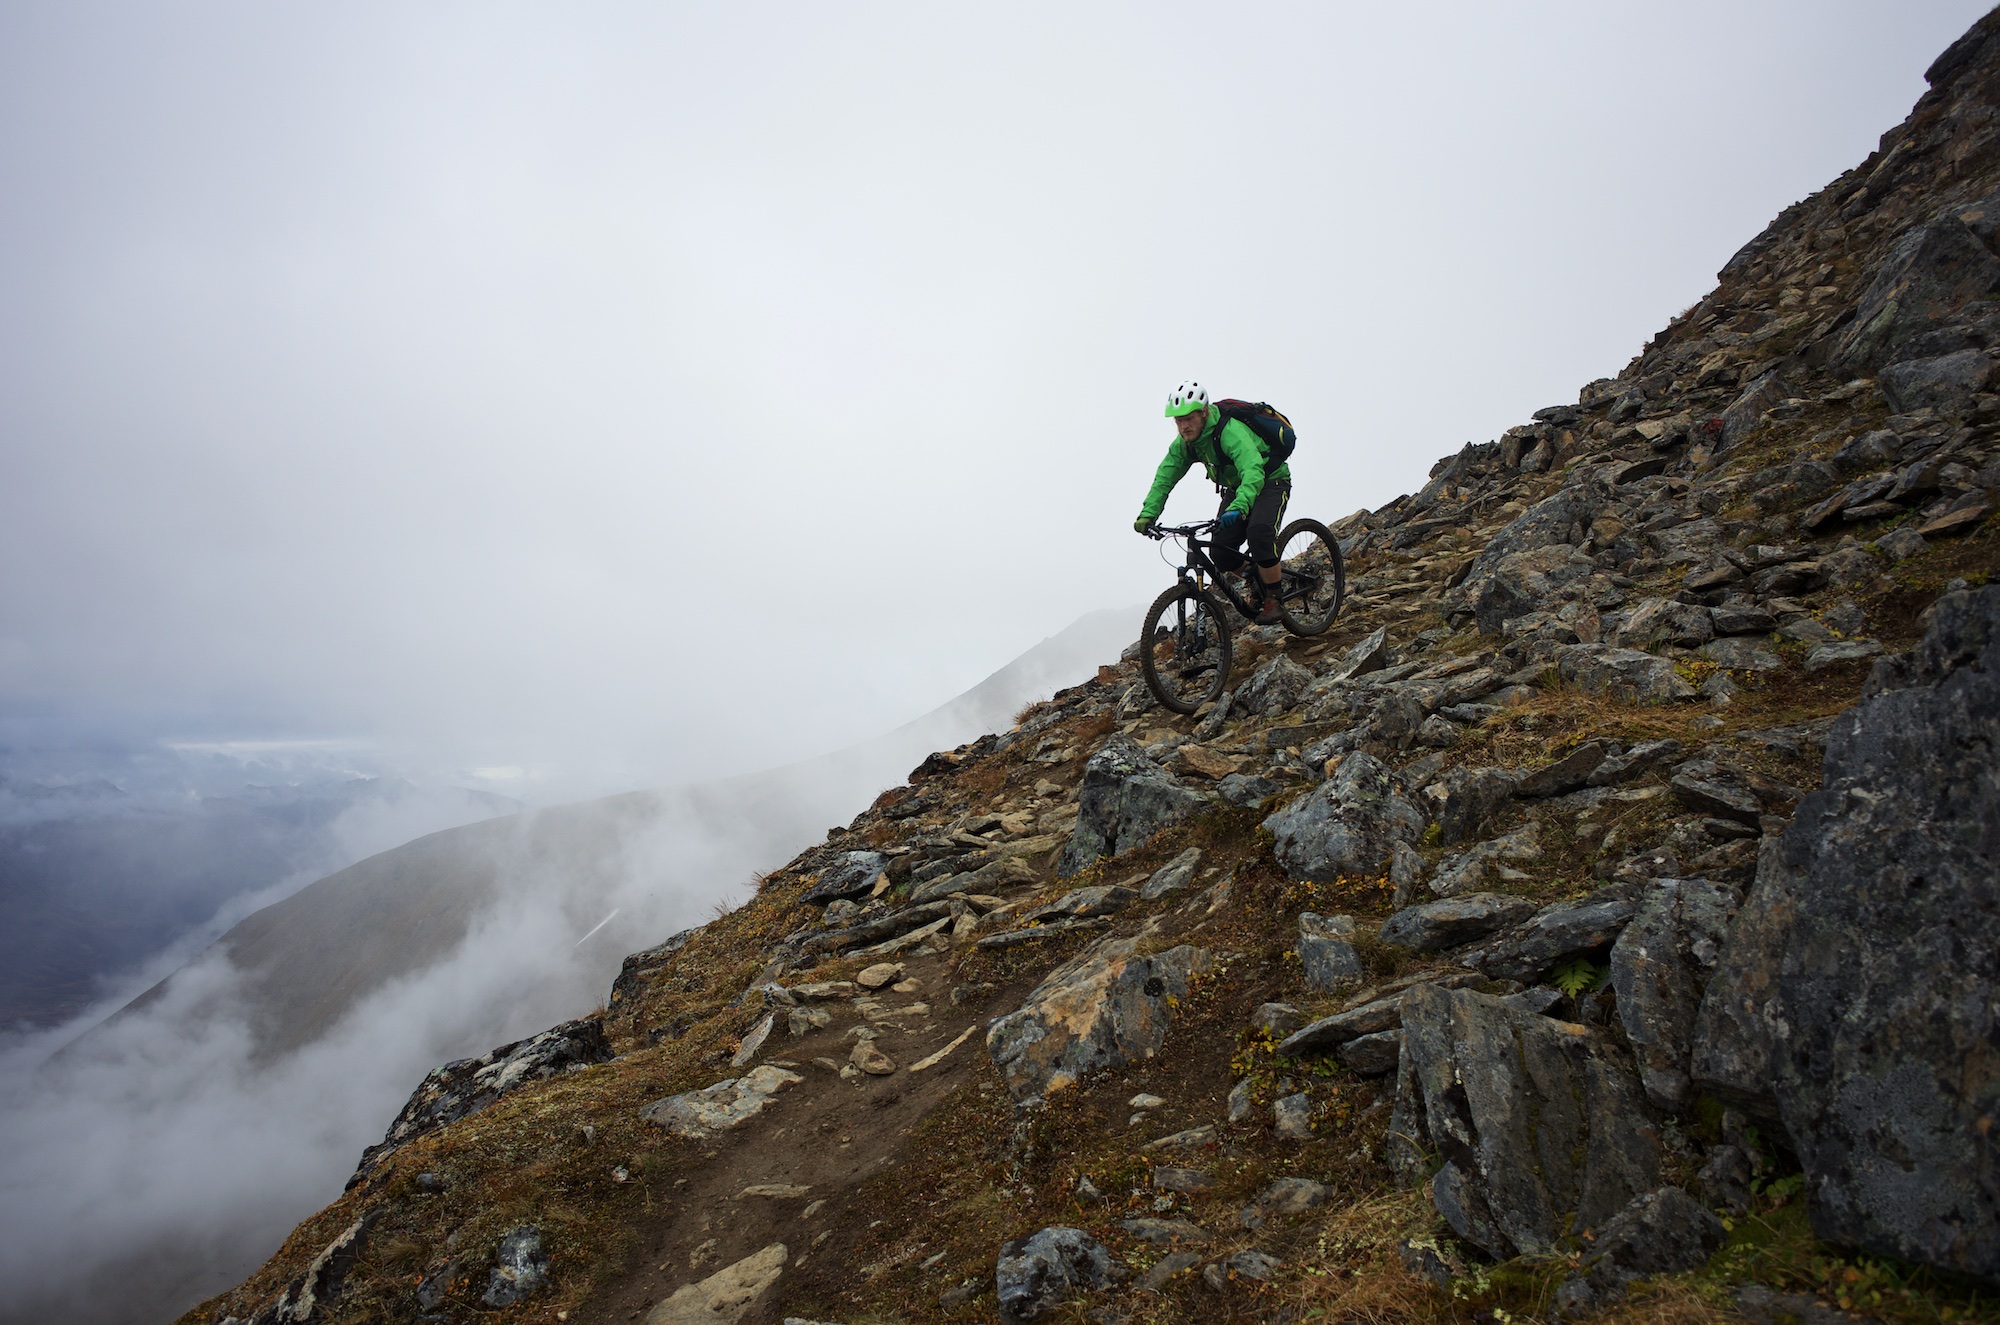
{"x": 1315, "y": 578}
{"x": 1184, "y": 648}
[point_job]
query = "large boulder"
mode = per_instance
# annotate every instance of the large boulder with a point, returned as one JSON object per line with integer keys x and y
{"x": 1273, "y": 688}
{"x": 1034, "y": 1274}
{"x": 1123, "y": 800}
{"x": 1881, "y": 907}
{"x": 1347, "y": 825}
{"x": 853, "y": 875}
{"x": 1105, "y": 1008}
{"x": 1543, "y": 1131}
{"x": 1659, "y": 967}
{"x": 1524, "y": 582}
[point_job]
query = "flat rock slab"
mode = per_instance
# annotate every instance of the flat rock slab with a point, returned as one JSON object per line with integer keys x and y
{"x": 1105, "y": 1008}
{"x": 1430, "y": 926}
{"x": 726, "y": 1104}
{"x": 725, "y": 1297}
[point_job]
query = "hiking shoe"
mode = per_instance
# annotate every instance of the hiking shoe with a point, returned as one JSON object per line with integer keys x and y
{"x": 1269, "y": 615}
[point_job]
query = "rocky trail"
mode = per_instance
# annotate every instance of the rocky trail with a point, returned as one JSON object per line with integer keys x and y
{"x": 1599, "y": 922}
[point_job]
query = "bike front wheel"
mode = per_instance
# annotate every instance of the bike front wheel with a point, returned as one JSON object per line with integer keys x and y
{"x": 1314, "y": 580}
{"x": 1184, "y": 648}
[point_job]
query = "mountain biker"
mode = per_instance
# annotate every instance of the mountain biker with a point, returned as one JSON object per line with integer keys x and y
{"x": 1253, "y": 502}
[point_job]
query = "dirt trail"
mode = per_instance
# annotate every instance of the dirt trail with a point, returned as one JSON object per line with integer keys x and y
{"x": 829, "y": 1134}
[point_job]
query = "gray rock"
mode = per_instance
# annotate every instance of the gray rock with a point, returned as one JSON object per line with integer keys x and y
{"x": 1660, "y": 1232}
{"x": 1835, "y": 652}
{"x": 1541, "y": 1126}
{"x": 1164, "y": 1230}
{"x": 1187, "y": 1181}
{"x": 1767, "y": 1306}
{"x": 1529, "y": 950}
{"x": 1496, "y": 592}
{"x": 1724, "y": 1180}
{"x": 1172, "y": 876}
{"x": 1328, "y": 1033}
{"x": 1637, "y": 762}
{"x": 1105, "y": 1008}
{"x": 1346, "y": 825}
{"x": 1891, "y": 963}
{"x": 1708, "y": 788}
{"x": 1742, "y": 1020}
{"x": 1247, "y": 1264}
{"x": 1740, "y": 654}
{"x": 1164, "y": 1270}
{"x": 1326, "y": 953}
{"x": 520, "y": 1266}
{"x": 1902, "y": 543}
{"x": 1626, "y": 675}
{"x": 1371, "y": 1055}
{"x": 1933, "y": 271}
{"x": 462, "y": 1088}
{"x": 1431, "y": 926}
{"x": 1666, "y": 621}
{"x": 1471, "y": 871}
{"x": 1247, "y": 790}
{"x": 1291, "y": 1117}
{"x": 1036, "y": 1273}
{"x": 1659, "y": 967}
{"x": 700, "y": 1114}
{"x": 1273, "y": 688}
{"x": 1241, "y": 1103}
{"x": 1868, "y": 451}
{"x": 1945, "y": 383}
{"x": 1099, "y": 900}
{"x": 1566, "y": 774}
{"x": 1469, "y": 800}
{"x": 1123, "y": 800}
{"x": 1371, "y": 654}
{"x": 1279, "y": 1019}
{"x": 1749, "y": 408}
{"x": 1741, "y": 618}
{"x": 1291, "y": 1196}
{"x": 1522, "y": 583}
{"x": 852, "y": 875}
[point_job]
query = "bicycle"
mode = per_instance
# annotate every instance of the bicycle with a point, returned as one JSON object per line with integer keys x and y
{"x": 1185, "y": 649}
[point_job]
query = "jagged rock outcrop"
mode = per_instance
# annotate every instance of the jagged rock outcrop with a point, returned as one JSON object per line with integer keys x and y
{"x": 462, "y": 1088}
{"x": 1125, "y": 798}
{"x": 1541, "y": 1127}
{"x": 1861, "y": 981}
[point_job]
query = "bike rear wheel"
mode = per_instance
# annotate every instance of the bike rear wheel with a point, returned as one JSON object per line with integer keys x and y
{"x": 1184, "y": 648}
{"x": 1315, "y": 579}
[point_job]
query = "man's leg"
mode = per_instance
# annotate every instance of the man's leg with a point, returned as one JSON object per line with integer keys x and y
{"x": 1266, "y": 514}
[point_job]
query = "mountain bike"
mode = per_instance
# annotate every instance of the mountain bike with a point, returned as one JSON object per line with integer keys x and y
{"x": 1184, "y": 649}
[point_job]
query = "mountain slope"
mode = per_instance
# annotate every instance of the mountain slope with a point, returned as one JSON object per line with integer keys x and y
{"x": 1621, "y": 864}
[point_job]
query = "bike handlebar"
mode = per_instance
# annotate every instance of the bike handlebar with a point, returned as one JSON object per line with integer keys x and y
{"x": 1180, "y": 530}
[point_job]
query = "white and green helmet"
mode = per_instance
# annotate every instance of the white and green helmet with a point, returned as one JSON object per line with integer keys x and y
{"x": 1186, "y": 399}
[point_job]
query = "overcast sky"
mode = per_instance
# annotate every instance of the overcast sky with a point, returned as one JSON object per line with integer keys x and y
{"x": 626, "y": 391}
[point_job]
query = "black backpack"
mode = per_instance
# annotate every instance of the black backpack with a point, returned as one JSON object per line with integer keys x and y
{"x": 1271, "y": 427}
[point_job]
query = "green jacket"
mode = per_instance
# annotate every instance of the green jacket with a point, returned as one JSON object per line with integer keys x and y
{"x": 1233, "y": 455}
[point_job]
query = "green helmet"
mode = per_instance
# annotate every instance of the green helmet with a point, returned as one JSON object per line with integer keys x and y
{"x": 1186, "y": 399}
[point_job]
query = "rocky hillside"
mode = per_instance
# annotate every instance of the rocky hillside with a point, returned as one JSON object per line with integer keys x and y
{"x": 1599, "y": 922}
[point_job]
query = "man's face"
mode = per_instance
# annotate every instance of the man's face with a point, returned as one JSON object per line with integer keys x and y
{"x": 1190, "y": 425}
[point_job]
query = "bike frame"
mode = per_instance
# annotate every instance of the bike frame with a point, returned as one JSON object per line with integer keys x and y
{"x": 1200, "y": 568}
